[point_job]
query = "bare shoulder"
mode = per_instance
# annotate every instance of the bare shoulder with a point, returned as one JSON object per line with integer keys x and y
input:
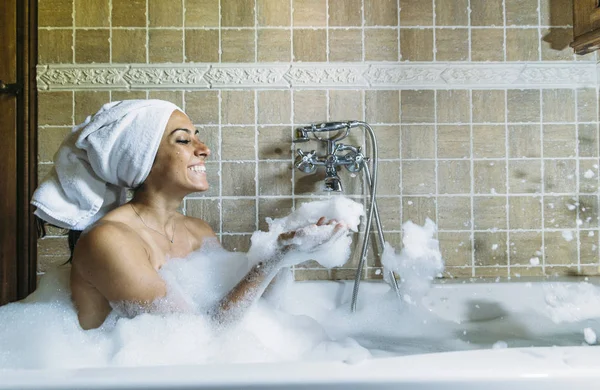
{"x": 198, "y": 227}
{"x": 108, "y": 242}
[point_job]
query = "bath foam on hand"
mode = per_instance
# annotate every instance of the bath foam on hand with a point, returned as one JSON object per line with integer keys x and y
{"x": 332, "y": 253}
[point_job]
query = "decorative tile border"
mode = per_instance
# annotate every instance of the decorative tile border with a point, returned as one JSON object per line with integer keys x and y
{"x": 318, "y": 75}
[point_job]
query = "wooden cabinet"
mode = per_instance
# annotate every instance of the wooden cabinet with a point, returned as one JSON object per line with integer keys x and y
{"x": 586, "y": 26}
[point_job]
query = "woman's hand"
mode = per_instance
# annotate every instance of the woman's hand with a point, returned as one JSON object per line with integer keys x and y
{"x": 310, "y": 237}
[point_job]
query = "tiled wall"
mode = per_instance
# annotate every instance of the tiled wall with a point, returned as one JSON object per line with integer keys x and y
{"x": 509, "y": 173}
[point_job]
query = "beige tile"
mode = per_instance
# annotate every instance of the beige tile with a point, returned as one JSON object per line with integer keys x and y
{"x": 55, "y": 46}
{"x": 124, "y": 95}
{"x": 237, "y": 13}
{"x": 389, "y": 212}
{"x": 418, "y": 142}
{"x": 309, "y": 13}
{"x": 274, "y": 45}
{"x": 555, "y": 44}
{"x": 416, "y": 44}
{"x": 205, "y": 209}
{"x": 458, "y": 272}
{"x": 560, "y": 176}
{"x": 311, "y": 184}
{"x": 416, "y": 13}
{"x": 49, "y": 140}
{"x": 48, "y": 263}
{"x": 489, "y": 212}
{"x": 238, "y": 179}
{"x": 165, "y": 14}
{"x": 588, "y": 248}
{"x": 202, "y": 13}
{"x": 345, "y": 45}
{"x": 525, "y": 176}
{"x": 43, "y": 170}
{"x": 274, "y": 178}
{"x": 524, "y": 141}
{"x": 382, "y": 106}
{"x": 239, "y": 215}
{"x": 202, "y": 106}
{"x": 560, "y": 212}
{"x": 381, "y": 44}
{"x": 128, "y": 13}
{"x": 558, "y": 271}
{"x": 275, "y": 142}
{"x": 488, "y": 106}
{"x": 558, "y": 250}
{"x": 453, "y": 106}
{"x": 310, "y": 45}
{"x": 310, "y": 106}
{"x": 92, "y": 46}
{"x": 128, "y": 46}
{"x": 345, "y": 12}
{"x": 523, "y": 105}
{"x": 345, "y": 104}
{"x": 343, "y": 274}
{"x": 521, "y": 12}
{"x": 88, "y": 103}
{"x": 486, "y": 13}
{"x": 454, "y": 177}
{"x": 236, "y": 243}
{"x": 55, "y": 13}
{"x": 418, "y": 106}
{"x": 451, "y": 13}
{"x": 418, "y": 177}
{"x": 238, "y": 143}
{"x": 560, "y": 141}
{"x": 90, "y": 13}
{"x": 587, "y": 140}
{"x": 237, "y": 107}
{"x": 201, "y": 45}
{"x": 272, "y": 208}
{"x": 238, "y": 45}
{"x": 524, "y": 212}
{"x": 558, "y": 105}
{"x": 490, "y": 249}
{"x": 522, "y": 44}
{"x": 381, "y": 12}
{"x": 312, "y": 274}
{"x": 389, "y": 147}
{"x": 273, "y": 12}
{"x": 489, "y": 177}
{"x": 588, "y": 176}
{"x": 454, "y": 213}
{"x": 526, "y": 248}
{"x": 165, "y": 46}
{"x": 556, "y": 12}
{"x": 388, "y": 178}
{"x": 418, "y": 209}
{"x": 487, "y": 44}
{"x": 274, "y": 107}
{"x": 452, "y": 44}
{"x": 456, "y": 249}
{"x": 587, "y": 105}
{"x": 490, "y": 272}
{"x": 453, "y": 141}
{"x": 55, "y": 108}
{"x": 489, "y": 141}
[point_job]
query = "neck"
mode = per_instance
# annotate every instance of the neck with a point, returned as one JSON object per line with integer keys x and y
{"x": 162, "y": 207}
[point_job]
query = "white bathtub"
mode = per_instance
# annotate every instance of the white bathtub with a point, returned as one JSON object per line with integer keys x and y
{"x": 477, "y": 315}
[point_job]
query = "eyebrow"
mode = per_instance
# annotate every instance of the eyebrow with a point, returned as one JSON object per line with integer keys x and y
{"x": 183, "y": 129}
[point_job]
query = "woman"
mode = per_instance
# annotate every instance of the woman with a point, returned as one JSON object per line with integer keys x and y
{"x": 118, "y": 256}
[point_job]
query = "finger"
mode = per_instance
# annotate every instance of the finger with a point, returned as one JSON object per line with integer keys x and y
{"x": 320, "y": 221}
{"x": 287, "y": 235}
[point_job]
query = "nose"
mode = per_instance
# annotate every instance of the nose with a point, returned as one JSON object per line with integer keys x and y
{"x": 202, "y": 150}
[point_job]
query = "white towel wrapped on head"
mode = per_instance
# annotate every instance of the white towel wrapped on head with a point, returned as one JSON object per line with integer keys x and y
{"x": 101, "y": 158}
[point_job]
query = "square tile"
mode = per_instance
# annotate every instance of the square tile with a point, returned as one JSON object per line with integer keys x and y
{"x": 165, "y": 46}
{"x": 236, "y": 243}
{"x": 560, "y": 176}
{"x": 452, "y": 13}
{"x": 452, "y": 44}
{"x": 381, "y": 44}
{"x": 524, "y": 141}
{"x": 310, "y": 106}
{"x": 237, "y": 107}
{"x": 525, "y": 176}
{"x": 526, "y": 248}
{"x": 272, "y": 208}
{"x": 205, "y": 209}
{"x": 487, "y": 44}
{"x": 201, "y": 45}
{"x": 346, "y": 105}
{"x": 416, "y": 44}
{"x": 381, "y": 12}
{"x": 587, "y": 140}
{"x": 587, "y": 105}
{"x": 521, "y": 12}
{"x": 382, "y": 106}
{"x": 274, "y": 107}
{"x": 560, "y": 140}
{"x": 487, "y": 13}
{"x": 95, "y": 13}
{"x": 239, "y": 215}
{"x": 390, "y": 147}
{"x": 274, "y": 178}
{"x": 418, "y": 141}
{"x": 454, "y": 213}
{"x": 165, "y": 14}
{"x": 202, "y": 106}
{"x": 238, "y": 178}
{"x": 488, "y": 106}
{"x": 309, "y": 13}
{"x": 489, "y": 141}
{"x": 588, "y": 176}
{"x": 202, "y": 13}
{"x": 416, "y": 13}
{"x": 345, "y": 12}
{"x": 88, "y": 103}
{"x": 92, "y": 46}
{"x": 274, "y": 45}
{"x": 522, "y": 44}
{"x": 55, "y": 13}
{"x": 237, "y": 143}
{"x": 128, "y": 13}
{"x": 453, "y": 106}
{"x": 275, "y": 142}
{"x": 489, "y": 212}
{"x": 388, "y": 180}
{"x": 345, "y": 45}
{"x": 49, "y": 140}
{"x": 310, "y": 45}
{"x": 558, "y": 105}
{"x": 555, "y": 44}
{"x": 418, "y": 209}
{"x": 454, "y": 177}
{"x": 55, "y": 108}
{"x": 560, "y": 212}
{"x": 490, "y": 249}
{"x": 237, "y": 13}
{"x": 55, "y": 46}
{"x": 523, "y": 105}
{"x": 559, "y": 250}
{"x": 238, "y": 45}
{"x": 489, "y": 177}
{"x": 128, "y": 46}
{"x": 418, "y": 106}
{"x": 418, "y": 177}
{"x": 453, "y": 141}
{"x": 456, "y": 249}
{"x": 524, "y": 212}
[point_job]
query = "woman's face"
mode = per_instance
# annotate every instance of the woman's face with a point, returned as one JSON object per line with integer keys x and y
{"x": 181, "y": 156}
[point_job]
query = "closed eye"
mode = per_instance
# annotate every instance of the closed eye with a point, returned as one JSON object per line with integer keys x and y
{"x": 183, "y": 141}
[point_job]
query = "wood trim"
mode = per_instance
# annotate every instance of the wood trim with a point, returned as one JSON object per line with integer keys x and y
{"x": 587, "y": 42}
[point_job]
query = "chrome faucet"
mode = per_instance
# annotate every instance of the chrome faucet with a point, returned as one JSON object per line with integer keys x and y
{"x": 308, "y": 162}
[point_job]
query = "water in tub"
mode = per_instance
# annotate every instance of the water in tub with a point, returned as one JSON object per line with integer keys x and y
{"x": 296, "y": 320}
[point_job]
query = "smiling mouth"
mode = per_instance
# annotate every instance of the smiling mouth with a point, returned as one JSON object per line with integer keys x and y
{"x": 198, "y": 169}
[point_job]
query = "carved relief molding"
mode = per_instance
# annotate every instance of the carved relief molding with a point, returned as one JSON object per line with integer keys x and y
{"x": 317, "y": 75}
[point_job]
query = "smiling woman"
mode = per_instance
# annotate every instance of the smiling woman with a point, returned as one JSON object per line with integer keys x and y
{"x": 153, "y": 147}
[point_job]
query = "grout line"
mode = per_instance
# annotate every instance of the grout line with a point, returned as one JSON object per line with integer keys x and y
{"x": 74, "y": 47}
{"x": 433, "y": 28}
{"x": 220, "y": 50}
{"x": 256, "y": 164}
{"x": 543, "y": 181}
{"x": 507, "y": 182}
{"x": 472, "y": 174}
{"x": 469, "y": 29}
{"x": 183, "y": 10}
{"x": 504, "y": 33}
{"x": 147, "y": 35}
{"x": 539, "y": 30}
{"x": 110, "y": 32}
{"x": 220, "y": 137}
{"x": 577, "y": 185}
